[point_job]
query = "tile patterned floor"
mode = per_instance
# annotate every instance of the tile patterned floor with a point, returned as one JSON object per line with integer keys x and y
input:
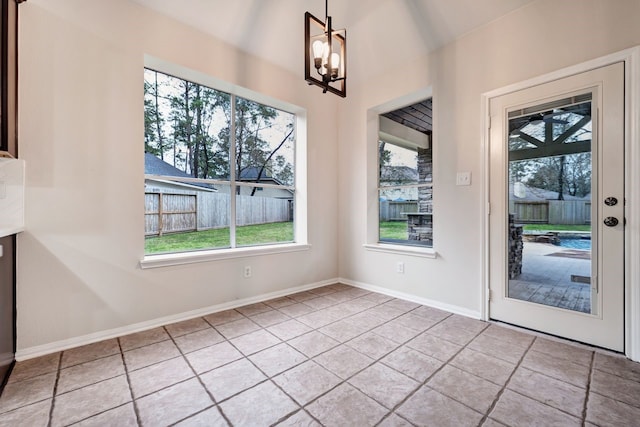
{"x": 332, "y": 356}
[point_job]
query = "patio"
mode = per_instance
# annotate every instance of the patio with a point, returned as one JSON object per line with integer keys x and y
{"x": 551, "y": 276}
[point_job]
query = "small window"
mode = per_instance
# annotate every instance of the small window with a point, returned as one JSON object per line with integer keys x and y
{"x": 405, "y": 171}
{"x": 206, "y": 151}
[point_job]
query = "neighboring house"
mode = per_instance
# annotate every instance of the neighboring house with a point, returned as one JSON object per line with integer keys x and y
{"x": 522, "y": 192}
{"x": 398, "y": 175}
{"x": 250, "y": 174}
{"x": 155, "y": 166}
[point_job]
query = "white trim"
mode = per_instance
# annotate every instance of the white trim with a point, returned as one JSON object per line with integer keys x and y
{"x": 41, "y": 350}
{"x": 402, "y": 250}
{"x": 413, "y": 298}
{"x": 632, "y": 214}
{"x": 181, "y": 258}
{"x": 631, "y": 58}
{"x": 372, "y": 137}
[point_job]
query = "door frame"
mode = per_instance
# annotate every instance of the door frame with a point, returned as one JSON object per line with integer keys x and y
{"x": 631, "y": 59}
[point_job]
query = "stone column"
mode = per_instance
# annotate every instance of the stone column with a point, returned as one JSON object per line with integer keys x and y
{"x": 515, "y": 248}
{"x": 425, "y": 174}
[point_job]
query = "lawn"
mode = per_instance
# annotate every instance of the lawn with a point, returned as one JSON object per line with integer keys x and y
{"x": 396, "y": 230}
{"x": 219, "y": 238}
{"x": 556, "y": 227}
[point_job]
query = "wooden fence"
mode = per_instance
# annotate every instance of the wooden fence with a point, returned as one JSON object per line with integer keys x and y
{"x": 175, "y": 212}
{"x": 396, "y": 211}
{"x": 565, "y": 212}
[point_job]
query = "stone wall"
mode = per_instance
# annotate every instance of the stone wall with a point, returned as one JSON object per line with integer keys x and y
{"x": 420, "y": 228}
{"x": 425, "y": 174}
{"x": 515, "y": 248}
{"x": 420, "y": 224}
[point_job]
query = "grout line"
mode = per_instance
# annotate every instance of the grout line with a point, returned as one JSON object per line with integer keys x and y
{"x": 311, "y": 359}
{"x": 434, "y": 373}
{"x": 504, "y": 387}
{"x": 126, "y": 372}
{"x": 268, "y": 379}
{"x": 587, "y": 392}
{"x": 99, "y": 413}
{"x": 55, "y": 390}
{"x": 198, "y": 413}
{"x": 186, "y": 360}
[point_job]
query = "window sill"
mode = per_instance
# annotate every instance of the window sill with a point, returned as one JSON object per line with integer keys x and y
{"x": 402, "y": 250}
{"x": 166, "y": 260}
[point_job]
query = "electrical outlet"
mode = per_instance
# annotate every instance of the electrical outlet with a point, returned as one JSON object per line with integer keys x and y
{"x": 247, "y": 271}
{"x": 463, "y": 178}
{"x": 400, "y": 267}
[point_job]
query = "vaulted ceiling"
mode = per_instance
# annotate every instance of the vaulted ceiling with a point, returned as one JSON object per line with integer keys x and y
{"x": 380, "y": 33}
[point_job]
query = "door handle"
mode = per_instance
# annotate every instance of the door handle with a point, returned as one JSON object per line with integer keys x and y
{"x": 610, "y": 201}
{"x": 611, "y": 221}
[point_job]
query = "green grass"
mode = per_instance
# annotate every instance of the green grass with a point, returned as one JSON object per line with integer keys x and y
{"x": 396, "y": 230}
{"x": 219, "y": 238}
{"x": 553, "y": 227}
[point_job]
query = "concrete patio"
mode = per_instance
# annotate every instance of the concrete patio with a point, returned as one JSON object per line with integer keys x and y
{"x": 546, "y": 278}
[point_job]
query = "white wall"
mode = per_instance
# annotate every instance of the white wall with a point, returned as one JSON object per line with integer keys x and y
{"x": 542, "y": 37}
{"x": 81, "y": 134}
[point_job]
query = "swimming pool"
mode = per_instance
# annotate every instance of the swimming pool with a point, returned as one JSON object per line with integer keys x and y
{"x": 575, "y": 243}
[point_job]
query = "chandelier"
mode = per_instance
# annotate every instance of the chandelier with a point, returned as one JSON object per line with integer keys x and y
{"x": 325, "y": 54}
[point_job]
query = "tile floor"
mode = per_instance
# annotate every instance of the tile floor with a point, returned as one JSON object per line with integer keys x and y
{"x": 333, "y": 356}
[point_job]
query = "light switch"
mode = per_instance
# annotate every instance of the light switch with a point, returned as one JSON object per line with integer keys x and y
{"x": 1, "y": 251}
{"x": 463, "y": 178}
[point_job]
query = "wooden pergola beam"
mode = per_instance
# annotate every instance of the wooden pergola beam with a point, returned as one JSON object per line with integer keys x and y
{"x": 550, "y": 151}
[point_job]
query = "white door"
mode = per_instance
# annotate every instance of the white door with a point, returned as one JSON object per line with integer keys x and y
{"x": 556, "y": 225}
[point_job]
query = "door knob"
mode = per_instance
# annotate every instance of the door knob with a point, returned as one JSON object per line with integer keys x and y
{"x": 611, "y": 221}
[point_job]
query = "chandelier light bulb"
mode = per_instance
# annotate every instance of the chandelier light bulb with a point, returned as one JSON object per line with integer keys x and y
{"x": 335, "y": 65}
{"x": 318, "y": 49}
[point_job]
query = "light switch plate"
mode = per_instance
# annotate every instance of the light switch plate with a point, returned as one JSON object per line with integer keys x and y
{"x": 463, "y": 178}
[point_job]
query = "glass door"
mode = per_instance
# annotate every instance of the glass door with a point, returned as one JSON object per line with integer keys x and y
{"x": 550, "y": 190}
{"x": 556, "y": 224}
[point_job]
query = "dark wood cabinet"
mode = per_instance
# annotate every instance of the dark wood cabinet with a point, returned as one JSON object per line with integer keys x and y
{"x": 7, "y": 306}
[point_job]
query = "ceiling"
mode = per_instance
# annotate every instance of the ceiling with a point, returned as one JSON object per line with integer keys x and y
{"x": 418, "y": 116}
{"x": 380, "y": 33}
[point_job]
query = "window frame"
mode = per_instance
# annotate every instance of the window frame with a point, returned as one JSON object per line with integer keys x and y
{"x": 417, "y": 185}
{"x": 299, "y": 187}
{"x": 373, "y": 243}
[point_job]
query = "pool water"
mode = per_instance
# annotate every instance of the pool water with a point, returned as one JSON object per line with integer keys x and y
{"x": 575, "y": 243}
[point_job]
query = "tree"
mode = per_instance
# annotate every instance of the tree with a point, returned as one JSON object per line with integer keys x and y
{"x": 570, "y": 174}
{"x": 254, "y": 150}
{"x": 154, "y": 135}
{"x": 191, "y": 124}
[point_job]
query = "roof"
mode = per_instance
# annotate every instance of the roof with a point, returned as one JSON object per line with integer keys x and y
{"x": 156, "y": 166}
{"x": 398, "y": 174}
{"x": 251, "y": 174}
{"x": 528, "y": 193}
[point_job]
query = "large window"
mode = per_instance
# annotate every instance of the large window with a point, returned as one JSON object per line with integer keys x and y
{"x": 405, "y": 187}
{"x": 219, "y": 168}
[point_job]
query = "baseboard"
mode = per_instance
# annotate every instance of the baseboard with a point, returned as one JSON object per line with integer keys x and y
{"x": 41, "y": 350}
{"x": 413, "y": 298}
